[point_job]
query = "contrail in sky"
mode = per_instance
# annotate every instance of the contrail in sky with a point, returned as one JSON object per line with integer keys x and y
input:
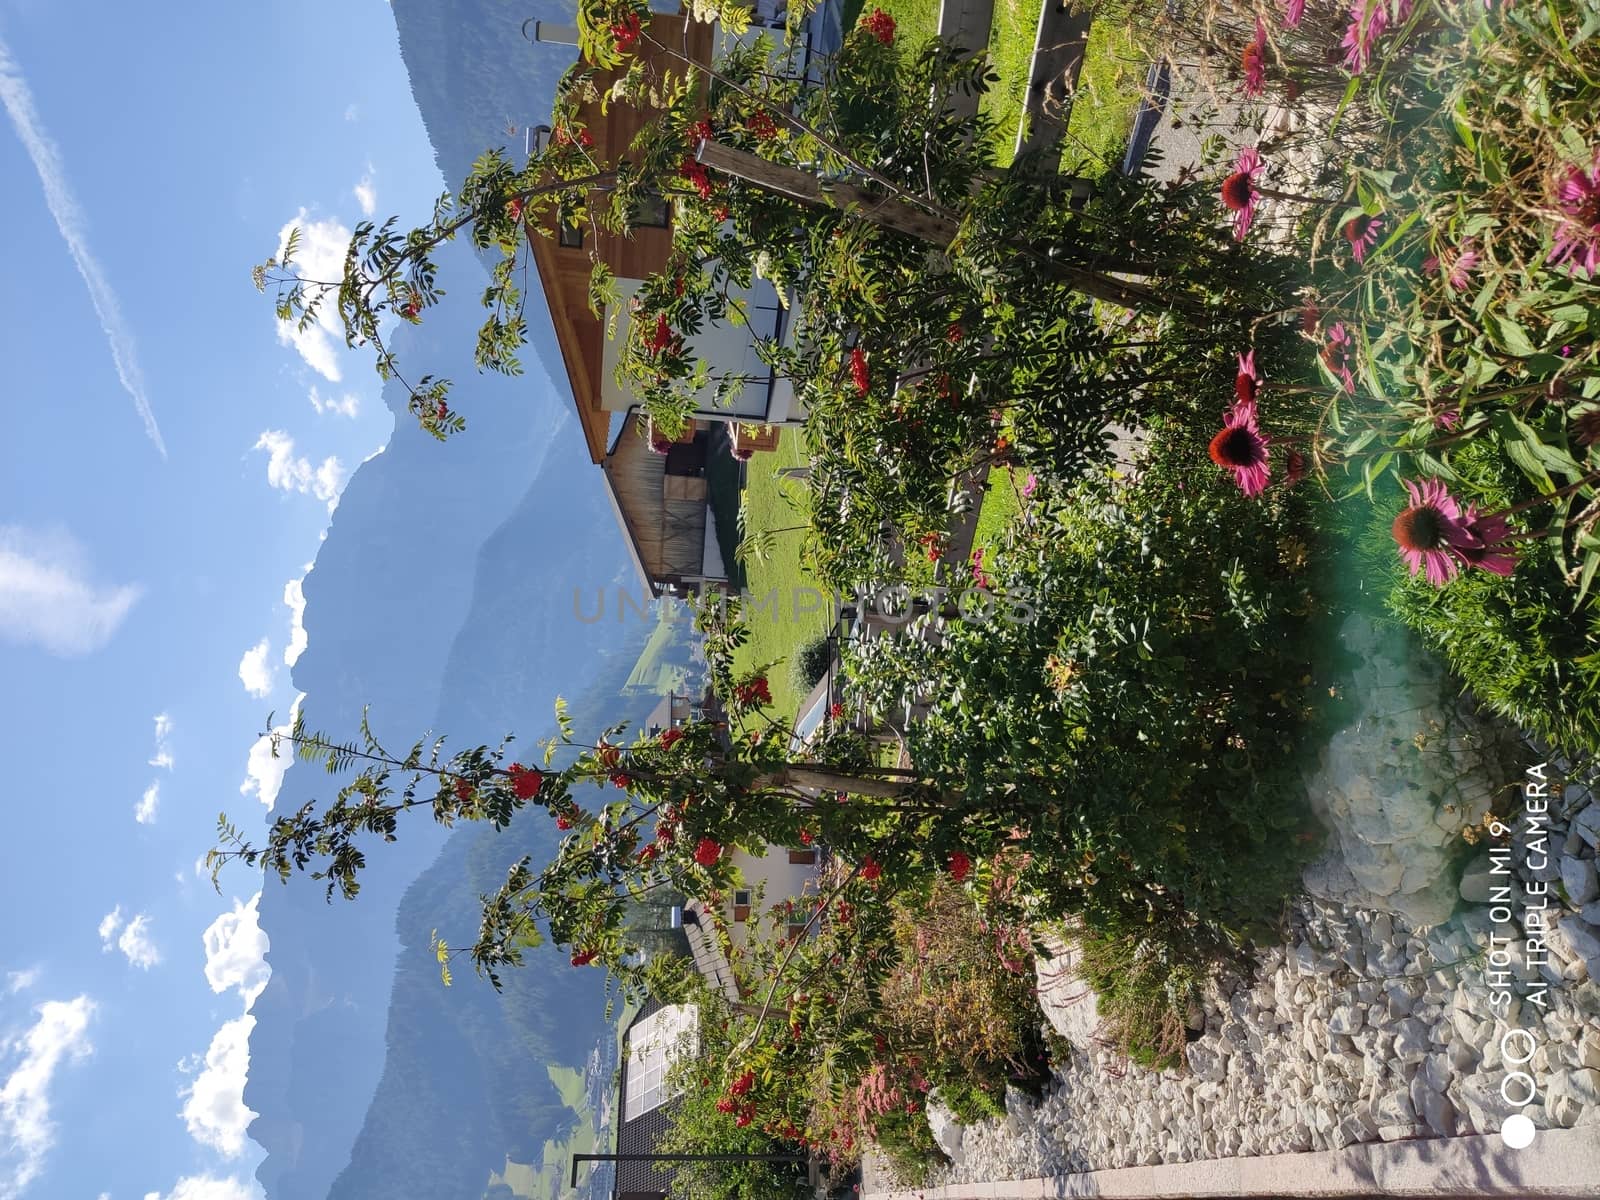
{"x": 18, "y": 99}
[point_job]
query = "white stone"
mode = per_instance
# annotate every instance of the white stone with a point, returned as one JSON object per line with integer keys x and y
{"x": 947, "y": 1131}
{"x": 1411, "y": 1041}
{"x": 1587, "y": 823}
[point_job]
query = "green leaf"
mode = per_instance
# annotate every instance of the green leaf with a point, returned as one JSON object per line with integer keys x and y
{"x": 1514, "y": 337}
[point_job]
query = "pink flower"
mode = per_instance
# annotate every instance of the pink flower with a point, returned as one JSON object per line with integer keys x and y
{"x": 1368, "y": 20}
{"x": 1460, "y": 272}
{"x": 1492, "y": 551}
{"x": 1426, "y": 530}
{"x": 1577, "y": 239}
{"x": 1362, "y": 234}
{"x": 1337, "y": 353}
{"x": 1031, "y": 485}
{"x": 1293, "y": 11}
{"x": 1239, "y": 192}
{"x": 1241, "y": 447}
{"x": 1246, "y": 382}
{"x": 1254, "y": 63}
{"x": 1447, "y": 420}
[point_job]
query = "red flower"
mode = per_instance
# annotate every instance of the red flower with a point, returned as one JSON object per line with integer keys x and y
{"x": 649, "y": 853}
{"x": 743, "y": 1084}
{"x": 584, "y": 957}
{"x": 746, "y": 1115}
{"x": 701, "y": 131}
{"x": 880, "y": 25}
{"x": 463, "y": 791}
{"x": 621, "y": 779}
{"x": 762, "y": 125}
{"x": 955, "y": 333}
{"x": 1362, "y": 234}
{"x": 835, "y": 710}
{"x": 1241, "y": 447}
{"x": 870, "y": 869}
{"x": 563, "y": 821}
{"x": 806, "y": 837}
{"x": 585, "y": 138}
{"x": 858, "y": 371}
{"x": 514, "y": 208}
{"x": 960, "y": 866}
{"x": 608, "y": 755}
{"x": 412, "y": 307}
{"x": 725, "y": 1105}
{"x": 707, "y": 852}
{"x": 670, "y": 737}
{"x": 525, "y": 781}
{"x": 677, "y": 285}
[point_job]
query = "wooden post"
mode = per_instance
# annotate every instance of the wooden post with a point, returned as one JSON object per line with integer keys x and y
{"x": 808, "y": 189}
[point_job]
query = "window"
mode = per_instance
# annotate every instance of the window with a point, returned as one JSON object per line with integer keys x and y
{"x": 652, "y": 211}
{"x": 653, "y": 1046}
{"x": 741, "y": 897}
{"x": 796, "y": 931}
{"x": 571, "y": 235}
{"x": 804, "y": 858}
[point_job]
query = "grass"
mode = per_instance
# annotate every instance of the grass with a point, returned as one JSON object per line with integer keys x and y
{"x": 1011, "y": 35}
{"x": 1115, "y": 64}
{"x": 776, "y": 635}
{"x": 652, "y": 674}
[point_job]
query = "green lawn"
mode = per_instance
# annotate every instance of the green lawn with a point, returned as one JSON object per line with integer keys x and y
{"x": 775, "y": 634}
{"x": 1016, "y": 23}
{"x": 1115, "y": 64}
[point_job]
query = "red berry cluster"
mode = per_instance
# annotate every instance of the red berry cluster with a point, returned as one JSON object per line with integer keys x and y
{"x": 880, "y": 25}
{"x": 695, "y": 173}
{"x": 858, "y": 371}
{"x": 525, "y": 781}
{"x": 762, "y": 125}
{"x": 752, "y": 692}
{"x": 626, "y": 32}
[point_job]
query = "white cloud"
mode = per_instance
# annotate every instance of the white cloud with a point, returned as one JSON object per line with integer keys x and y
{"x": 26, "y": 1131}
{"x": 351, "y": 112}
{"x": 144, "y": 812}
{"x": 254, "y": 672}
{"x": 213, "y": 1106}
{"x": 104, "y": 1196}
{"x": 73, "y": 227}
{"x": 208, "y": 1187}
{"x": 296, "y": 474}
{"x": 46, "y": 597}
{"x": 134, "y": 941}
{"x": 263, "y": 772}
{"x": 347, "y": 405}
{"x": 163, "y": 754}
{"x": 366, "y": 194}
{"x": 320, "y": 255}
{"x": 294, "y": 596}
{"x": 21, "y": 981}
{"x": 236, "y": 950}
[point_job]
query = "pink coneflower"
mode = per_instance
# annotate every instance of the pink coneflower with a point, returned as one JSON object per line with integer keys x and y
{"x": 1239, "y": 192}
{"x": 1337, "y": 353}
{"x": 1310, "y": 318}
{"x": 1456, "y": 268}
{"x": 1254, "y": 63}
{"x": 1577, "y": 240}
{"x": 1241, "y": 447}
{"x": 1362, "y": 234}
{"x": 1246, "y": 382}
{"x": 1293, "y": 11}
{"x": 1427, "y": 530}
{"x": 1031, "y": 485}
{"x": 1490, "y": 550}
{"x": 1448, "y": 419}
{"x": 1368, "y": 20}
{"x": 1294, "y": 468}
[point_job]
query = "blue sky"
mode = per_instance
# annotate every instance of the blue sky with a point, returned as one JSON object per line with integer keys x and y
{"x": 166, "y": 473}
